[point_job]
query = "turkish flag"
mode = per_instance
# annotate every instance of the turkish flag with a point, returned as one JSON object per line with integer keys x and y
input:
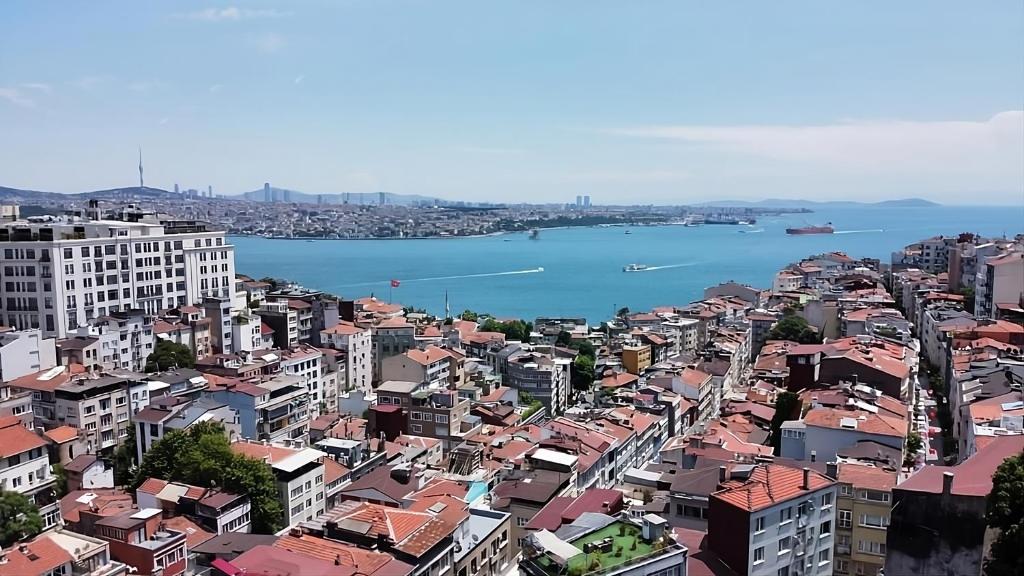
{"x": 395, "y": 283}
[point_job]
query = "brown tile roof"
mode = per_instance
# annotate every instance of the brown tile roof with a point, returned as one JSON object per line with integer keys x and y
{"x": 259, "y": 451}
{"x": 769, "y": 484}
{"x": 869, "y": 477}
{"x": 866, "y": 421}
{"x": 428, "y": 356}
{"x": 344, "y": 328}
{"x": 37, "y": 381}
{"x": 107, "y": 502}
{"x": 972, "y": 477}
{"x": 333, "y": 470}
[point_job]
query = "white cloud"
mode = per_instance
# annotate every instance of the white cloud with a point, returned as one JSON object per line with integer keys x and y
{"x": 232, "y": 14}
{"x": 44, "y": 88}
{"x": 651, "y": 176}
{"x": 299, "y": 79}
{"x": 16, "y": 97}
{"x": 270, "y": 43}
{"x": 216, "y": 88}
{"x": 940, "y": 159}
{"x": 871, "y": 145}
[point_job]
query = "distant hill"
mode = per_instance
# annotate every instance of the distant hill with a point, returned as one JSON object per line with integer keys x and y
{"x": 131, "y": 193}
{"x": 783, "y": 203}
{"x": 284, "y": 194}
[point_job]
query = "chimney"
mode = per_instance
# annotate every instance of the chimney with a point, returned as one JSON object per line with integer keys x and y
{"x": 814, "y": 455}
{"x": 832, "y": 470}
{"x": 807, "y": 479}
{"x": 947, "y": 483}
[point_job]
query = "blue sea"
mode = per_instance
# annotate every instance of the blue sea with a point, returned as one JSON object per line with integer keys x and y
{"x": 578, "y": 271}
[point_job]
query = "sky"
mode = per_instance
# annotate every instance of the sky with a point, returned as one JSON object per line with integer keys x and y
{"x": 665, "y": 102}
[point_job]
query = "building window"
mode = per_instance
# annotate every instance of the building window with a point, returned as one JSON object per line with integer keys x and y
{"x": 759, "y": 524}
{"x": 759, "y": 555}
{"x": 784, "y": 545}
{"x": 416, "y": 428}
{"x": 521, "y": 521}
{"x": 845, "y": 489}
{"x": 873, "y": 521}
{"x": 826, "y": 528}
{"x": 869, "y": 547}
{"x": 786, "y": 515}
{"x": 845, "y": 518}
{"x": 825, "y": 556}
{"x": 826, "y": 500}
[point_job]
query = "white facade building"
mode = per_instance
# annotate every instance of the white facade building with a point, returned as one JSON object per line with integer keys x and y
{"x": 57, "y": 274}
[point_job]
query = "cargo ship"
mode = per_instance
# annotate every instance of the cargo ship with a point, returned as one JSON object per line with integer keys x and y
{"x": 826, "y": 229}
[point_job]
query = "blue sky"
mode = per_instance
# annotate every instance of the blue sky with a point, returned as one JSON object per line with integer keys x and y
{"x": 662, "y": 102}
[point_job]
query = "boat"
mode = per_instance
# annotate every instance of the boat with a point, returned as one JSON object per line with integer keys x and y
{"x": 534, "y": 234}
{"x": 826, "y": 229}
{"x": 629, "y": 231}
{"x": 634, "y": 268}
{"x": 540, "y": 269}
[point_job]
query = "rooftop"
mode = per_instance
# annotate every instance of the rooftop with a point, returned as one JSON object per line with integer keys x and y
{"x": 770, "y": 484}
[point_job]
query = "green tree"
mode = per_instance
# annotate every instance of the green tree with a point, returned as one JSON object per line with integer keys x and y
{"x": 622, "y": 312}
{"x": 585, "y": 348}
{"x": 202, "y": 456}
{"x": 787, "y": 405}
{"x": 513, "y": 329}
{"x": 167, "y": 355}
{"x": 19, "y": 518}
{"x": 795, "y": 328}
{"x": 968, "y": 293}
{"x": 469, "y": 315}
{"x": 124, "y": 460}
{"x": 583, "y": 372}
{"x": 914, "y": 445}
{"x": 1006, "y": 513}
{"x": 61, "y": 475}
{"x": 564, "y": 339}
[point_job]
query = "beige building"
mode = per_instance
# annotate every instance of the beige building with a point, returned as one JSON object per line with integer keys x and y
{"x": 430, "y": 411}
{"x": 431, "y": 366}
{"x": 636, "y": 359}
{"x": 864, "y": 503}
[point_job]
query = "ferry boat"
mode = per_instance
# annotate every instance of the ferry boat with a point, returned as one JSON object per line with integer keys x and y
{"x": 634, "y": 268}
{"x": 826, "y": 229}
{"x": 629, "y": 231}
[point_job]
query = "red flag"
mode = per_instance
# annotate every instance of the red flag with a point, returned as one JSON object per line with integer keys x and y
{"x": 395, "y": 283}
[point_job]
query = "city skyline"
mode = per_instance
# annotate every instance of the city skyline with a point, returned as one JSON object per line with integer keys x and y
{"x": 672, "y": 104}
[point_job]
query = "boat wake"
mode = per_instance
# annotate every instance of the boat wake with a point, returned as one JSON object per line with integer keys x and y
{"x": 454, "y": 277}
{"x": 652, "y": 268}
{"x": 751, "y": 231}
{"x": 858, "y": 231}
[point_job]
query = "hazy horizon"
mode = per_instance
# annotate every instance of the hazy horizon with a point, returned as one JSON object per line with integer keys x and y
{"x": 662, "y": 103}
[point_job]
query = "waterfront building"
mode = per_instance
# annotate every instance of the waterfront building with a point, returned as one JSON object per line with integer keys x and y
{"x": 61, "y": 272}
{"x": 357, "y": 344}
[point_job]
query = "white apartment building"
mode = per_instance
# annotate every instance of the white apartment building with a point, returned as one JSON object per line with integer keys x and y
{"x": 246, "y": 332}
{"x": 25, "y": 467}
{"x": 124, "y": 339}
{"x": 543, "y": 377}
{"x": 58, "y": 273}
{"x": 300, "y": 477}
{"x": 304, "y": 362}
{"x": 999, "y": 281}
{"x": 357, "y": 343}
{"x": 24, "y": 352}
{"x": 97, "y": 405}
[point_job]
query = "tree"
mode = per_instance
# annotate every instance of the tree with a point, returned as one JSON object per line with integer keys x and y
{"x": 167, "y": 355}
{"x": 787, "y": 406}
{"x": 124, "y": 459}
{"x": 564, "y": 339}
{"x": 968, "y": 293}
{"x": 202, "y": 456}
{"x": 795, "y": 328}
{"x": 469, "y": 315}
{"x": 622, "y": 312}
{"x": 61, "y": 475}
{"x": 583, "y": 372}
{"x": 914, "y": 445}
{"x": 1006, "y": 513}
{"x": 19, "y": 518}
{"x": 513, "y": 329}
{"x": 585, "y": 348}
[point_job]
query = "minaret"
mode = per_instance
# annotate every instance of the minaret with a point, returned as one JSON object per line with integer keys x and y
{"x": 142, "y": 186}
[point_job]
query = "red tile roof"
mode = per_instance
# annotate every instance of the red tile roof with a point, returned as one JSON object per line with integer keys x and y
{"x": 364, "y": 562}
{"x": 260, "y": 451}
{"x": 15, "y": 438}
{"x": 428, "y": 356}
{"x": 271, "y": 561}
{"x": 972, "y": 477}
{"x": 866, "y": 422}
{"x": 769, "y": 484}
{"x": 194, "y": 533}
{"x": 62, "y": 434}
{"x": 869, "y": 477}
{"x": 41, "y": 556}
